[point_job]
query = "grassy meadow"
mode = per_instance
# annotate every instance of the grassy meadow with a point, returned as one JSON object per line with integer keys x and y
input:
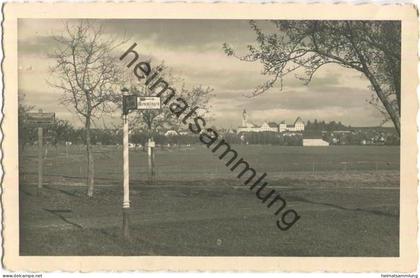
{"x": 347, "y": 197}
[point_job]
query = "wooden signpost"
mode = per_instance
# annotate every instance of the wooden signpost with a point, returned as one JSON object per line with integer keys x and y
{"x": 130, "y": 103}
{"x": 151, "y": 158}
{"x": 40, "y": 120}
{"x": 149, "y": 103}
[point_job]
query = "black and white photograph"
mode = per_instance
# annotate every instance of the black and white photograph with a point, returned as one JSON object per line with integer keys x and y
{"x": 209, "y": 137}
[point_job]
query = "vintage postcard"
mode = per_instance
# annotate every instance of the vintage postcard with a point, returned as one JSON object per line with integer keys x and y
{"x": 233, "y": 137}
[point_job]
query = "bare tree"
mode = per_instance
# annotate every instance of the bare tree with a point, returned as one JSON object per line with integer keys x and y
{"x": 370, "y": 47}
{"x": 152, "y": 121}
{"x": 86, "y": 75}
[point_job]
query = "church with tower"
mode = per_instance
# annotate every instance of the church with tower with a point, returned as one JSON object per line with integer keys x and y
{"x": 248, "y": 126}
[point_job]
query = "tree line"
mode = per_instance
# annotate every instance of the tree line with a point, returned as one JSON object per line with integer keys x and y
{"x": 63, "y": 131}
{"x": 316, "y": 125}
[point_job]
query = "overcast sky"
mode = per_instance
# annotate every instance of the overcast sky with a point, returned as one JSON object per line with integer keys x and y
{"x": 193, "y": 50}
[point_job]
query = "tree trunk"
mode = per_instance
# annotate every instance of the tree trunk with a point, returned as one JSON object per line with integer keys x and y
{"x": 394, "y": 115}
{"x": 90, "y": 168}
{"x": 150, "y": 155}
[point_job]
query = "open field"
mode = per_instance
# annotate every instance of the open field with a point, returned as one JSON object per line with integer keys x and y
{"x": 347, "y": 197}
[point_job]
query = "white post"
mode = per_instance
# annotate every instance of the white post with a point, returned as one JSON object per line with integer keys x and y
{"x": 126, "y": 200}
{"x": 46, "y": 151}
{"x": 126, "y": 178}
{"x": 151, "y": 158}
{"x": 40, "y": 158}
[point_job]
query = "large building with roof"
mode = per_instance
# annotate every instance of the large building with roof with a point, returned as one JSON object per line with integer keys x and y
{"x": 247, "y": 126}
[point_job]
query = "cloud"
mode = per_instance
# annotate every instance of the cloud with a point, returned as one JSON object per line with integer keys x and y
{"x": 342, "y": 97}
{"x": 42, "y": 46}
{"x": 192, "y": 49}
{"x": 183, "y": 34}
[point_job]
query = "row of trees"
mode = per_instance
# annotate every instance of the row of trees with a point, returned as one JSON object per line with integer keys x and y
{"x": 324, "y": 126}
{"x": 270, "y": 138}
{"x": 62, "y": 131}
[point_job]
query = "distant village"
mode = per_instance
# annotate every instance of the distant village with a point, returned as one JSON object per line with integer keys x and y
{"x": 298, "y": 133}
{"x": 316, "y": 133}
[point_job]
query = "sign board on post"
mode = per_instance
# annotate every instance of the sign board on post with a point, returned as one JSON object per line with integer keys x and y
{"x": 130, "y": 103}
{"x": 148, "y": 103}
{"x": 41, "y": 119}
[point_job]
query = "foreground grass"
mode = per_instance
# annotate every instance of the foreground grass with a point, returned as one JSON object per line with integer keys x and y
{"x": 347, "y": 197}
{"x": 215, "y": 218}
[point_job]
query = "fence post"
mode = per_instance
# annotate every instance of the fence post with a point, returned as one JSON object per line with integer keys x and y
{"x": 151, "y": 158}
{"x": 46, "y": 151}
{"x": 153, "y": 163}
{"x": 40, "y": 158}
